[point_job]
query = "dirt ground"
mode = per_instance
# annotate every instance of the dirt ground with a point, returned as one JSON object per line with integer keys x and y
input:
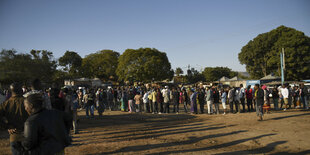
{"x": 139, "y": 133}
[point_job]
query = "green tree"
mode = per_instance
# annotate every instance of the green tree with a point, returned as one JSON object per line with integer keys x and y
{"x": 101, "y": 64}
{"x": 24, "y": 67}
{"x": 194, "y": 76}
{"x": 178, "y": 71}
{"x": 71, "y": 63}
{"x": 144, "y": 64}
{"x": 262, "y": 54}
{"x": 215, "y": 73}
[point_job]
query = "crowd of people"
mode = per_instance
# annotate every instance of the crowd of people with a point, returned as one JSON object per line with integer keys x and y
{"x": 39, "y": 121}
{"x": 162, "y": 99}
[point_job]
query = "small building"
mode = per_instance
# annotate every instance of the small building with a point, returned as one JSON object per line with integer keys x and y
{"x": 252, "y": 83}
{"x": 84, "y": 82}
{"x": 236, "y": 81}
{"x": 269, "y": 78}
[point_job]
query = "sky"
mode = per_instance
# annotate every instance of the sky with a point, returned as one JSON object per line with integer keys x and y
{"x": 199, "y": 33}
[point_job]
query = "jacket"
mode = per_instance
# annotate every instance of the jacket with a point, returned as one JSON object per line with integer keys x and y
{"x": 47, "y": 132}
{"x": 209, "y": 95}
{"x": 14, "y": 111}
{"x": 259, "y": 96}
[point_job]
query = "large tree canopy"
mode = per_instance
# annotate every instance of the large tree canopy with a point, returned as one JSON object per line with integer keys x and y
{"x": 101, "y": 64}
{"x": 71, "y": 61}
{"x": 23, "y": 67}
{"x": 215, "y": 73}
{"x": 262, "y": 54}
{"x": 178, "y": 71}
{"x": 144, "y": 64}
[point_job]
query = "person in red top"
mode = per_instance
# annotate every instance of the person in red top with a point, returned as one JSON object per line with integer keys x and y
{"x": 249, "y": 98}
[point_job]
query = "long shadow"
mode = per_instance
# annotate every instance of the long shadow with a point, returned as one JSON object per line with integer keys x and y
{"x": 283, "y": 117}
{"x": 154, "y": 135}
{"x": 151, "y": 128}
{"x": 170, "y": 132}
{"x": 294, "y": 153}
{"x": 154, "y": 146}
{"x": 262, "y": 150}
{"x": 224, "y": 145}
{"x": 126, "y": 119}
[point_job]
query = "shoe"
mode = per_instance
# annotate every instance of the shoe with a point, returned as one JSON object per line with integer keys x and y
{"x": 159, "y": 113}
{"x": 177, "y": 113}
{"x": 284, "y": 109}
{"x": 153, "y": 112}
{"x": 224, "y": 113}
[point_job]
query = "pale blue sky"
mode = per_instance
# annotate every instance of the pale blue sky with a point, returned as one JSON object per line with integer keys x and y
{"x": 196, "y": 32}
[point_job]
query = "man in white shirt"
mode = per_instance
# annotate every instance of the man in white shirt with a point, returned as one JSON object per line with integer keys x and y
{"x": 166, "y": 96}
{"x": 285, "y": 94}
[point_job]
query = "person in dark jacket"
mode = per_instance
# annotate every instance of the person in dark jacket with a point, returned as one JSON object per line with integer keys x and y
{"x": 13, "y": 111}
{"x": 176, "y": 97}
{"x": 259, "y": 98}
{"x": 46, "y": 131}
{"x": 159, "y": 99}
{"x": 201, "y": 100}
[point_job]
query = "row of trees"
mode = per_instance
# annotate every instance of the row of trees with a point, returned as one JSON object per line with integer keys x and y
{"x": 260, "y": 55}
{"x": 144, "y": 64}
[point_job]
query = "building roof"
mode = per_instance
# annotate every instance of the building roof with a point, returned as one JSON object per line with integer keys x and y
{"x": 224, "y": 78}
{"x": 236, "y": 78}
{"x": 270, "y": 77}
{"x": 82, "y": 79}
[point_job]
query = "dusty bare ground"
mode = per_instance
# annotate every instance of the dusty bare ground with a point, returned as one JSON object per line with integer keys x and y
{"x": 124, "y": 133}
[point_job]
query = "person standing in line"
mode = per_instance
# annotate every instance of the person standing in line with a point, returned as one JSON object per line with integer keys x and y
{"x": 295, "y": 95}
{"x": 131, "y": 98}
{"x": 249, "y": 98}
{"x": 281, "y": 99}
{"x": 124, "y": 100}
{"x": 259, "y": 100}
{"x": 154, "y": 100}
{"x": 150, "y": 98}
{"x": 74, "y": 108}
{"x": 242, "y": 98}
{"x": 216, "y": 100}
{"x": 184, "y": 96}
{"x": 176, "y": 97}
{"x": 193, "y": 99}
{"x": 146, "y": 101}
{"x": 223, "y": 99}
{"x": 304, "y": 96}
{"x": 14, "y": 111}
{"x": 231, "y": 96}
{"x": 110, "y": 98}
{"x": 137, "y": 99}
{"x": 237, "y": 100}
{"x": 290, "y": 96}
{"x": 201, "y": 100}
{"x": 266, "y": 105}
{"x": 89, "y": 103}
{"x": 285, "y": 94}
{"x": 80, "y": 97}
{"x": 275, "y": 98}
{"x": 100, "y": 101}
{"x": 209, "y": 99}
{"x": 159, "y": 99}
{"x": 166, "y": 97}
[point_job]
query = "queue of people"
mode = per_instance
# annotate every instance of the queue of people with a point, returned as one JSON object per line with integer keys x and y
{"x": 39, "y": 121}
{"x": 159, "y": 100}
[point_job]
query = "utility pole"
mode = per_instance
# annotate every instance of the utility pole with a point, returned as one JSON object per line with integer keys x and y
{"x": 282, "y": 59}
